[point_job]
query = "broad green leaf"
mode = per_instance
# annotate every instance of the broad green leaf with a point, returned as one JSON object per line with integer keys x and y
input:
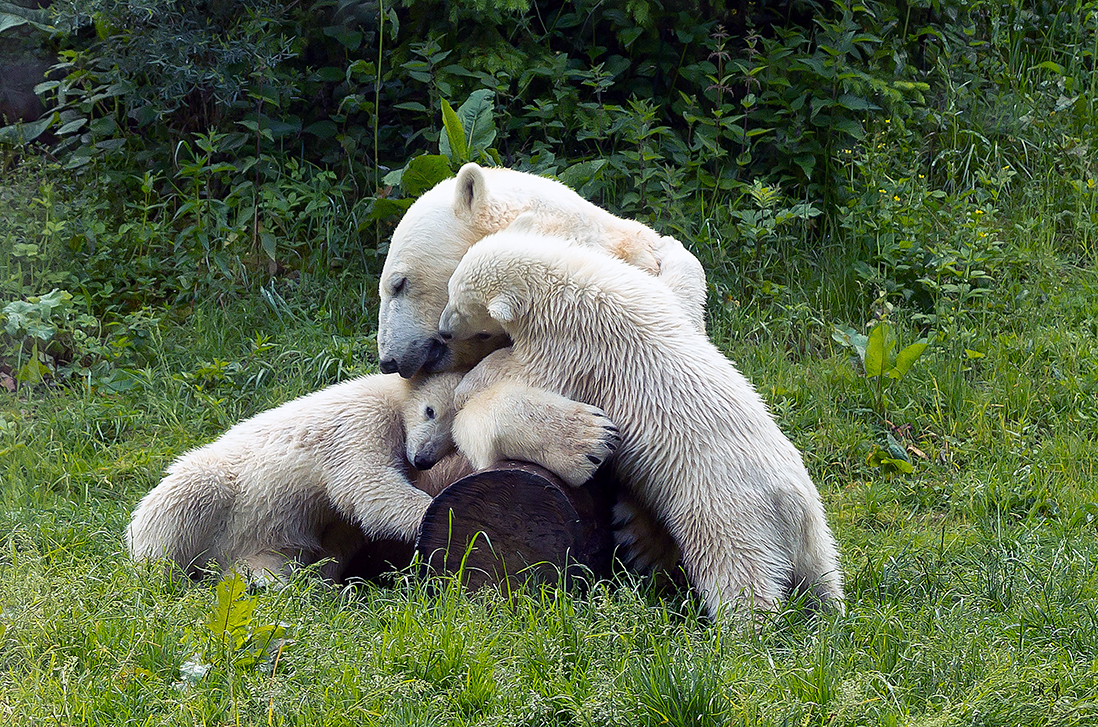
{"x": 72, "y": 126}
{"x": 233, "y": 612}
{"x": 103, "y": 126}
{"x": 630, "y": 35}
{"x": 14, "y": 16}
{"x": 424, "y": 172}
{"x": 856, "y": 103}
{"x": 323, "y": 129}
{"x": 52, "y": 299}
{"x": 1050, "y": 66}
{"x": 807, "y": 163}
{"x": 269, "y": 243}
{"x": 849, "y": 127}
{"x": 970, "y": 354}
{"x": 45, "y": 86}
{"x": 384, "y": 208}
{"x": 8, "y": 21}
{"x": 33, "y": 371}
{"x": 349, "y": 39}
{"x": 895, "y": 449}
{"x": 19, "y": 132}
{"x": 476, "y": 120}
{"x": 851, "y": 339}
{"x": 361, "y": 69}
{"x": 392, "y": 179}
{"x": 879, "y": 458}
{"x": 876, "y": 350}
{"x": 452, "y": 143}
{"x": 905, "y": 358}
{"x": 577, "y": 175}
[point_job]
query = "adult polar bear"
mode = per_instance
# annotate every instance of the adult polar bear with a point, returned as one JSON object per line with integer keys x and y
{"x": 567, "y": 437}
{"x": 698, "y": 445}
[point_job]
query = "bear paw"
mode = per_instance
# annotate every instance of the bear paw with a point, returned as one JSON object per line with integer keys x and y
{"x": 644, "y": 544}
{"x": 583, "y": 439}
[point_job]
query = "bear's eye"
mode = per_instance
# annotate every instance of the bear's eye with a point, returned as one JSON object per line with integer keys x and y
{"x": 398, "y": 286}
{"x": 429, "y": 412}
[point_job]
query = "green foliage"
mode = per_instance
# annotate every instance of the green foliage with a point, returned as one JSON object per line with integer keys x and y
{"x": 468, "y": 135}
{"x": 882, "y": 366}
{"x": 640, "y": 107}
{"x": 205, "y": 247}
{"x": 231, "y": 636}
{"x": 879, "y": 359}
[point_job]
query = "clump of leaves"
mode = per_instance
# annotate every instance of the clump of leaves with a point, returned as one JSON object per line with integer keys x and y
{"x": 883, "y": 366}
{"x": 231, "y": 636}
{"x": 468, "y": 134}
{"x": 879, "y": 360}
{"x": 35, "y": 326}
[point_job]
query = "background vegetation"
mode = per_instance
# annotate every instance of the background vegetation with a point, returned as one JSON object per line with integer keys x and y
{"x": 896, "y": 203}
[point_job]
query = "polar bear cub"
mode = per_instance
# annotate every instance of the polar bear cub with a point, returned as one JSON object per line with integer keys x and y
{"x": 290, "y": 484}
{"x": 698, "y": 446}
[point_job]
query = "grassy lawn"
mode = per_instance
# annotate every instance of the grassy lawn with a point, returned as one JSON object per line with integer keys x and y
{"x": 972, "y": 584}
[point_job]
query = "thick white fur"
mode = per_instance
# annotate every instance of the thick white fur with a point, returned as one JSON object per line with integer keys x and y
{"x": 446, "y": 221}
{"x": 567, "y": 437}
{"x": 304, "y": 481}
{"x": 698, "y": 446}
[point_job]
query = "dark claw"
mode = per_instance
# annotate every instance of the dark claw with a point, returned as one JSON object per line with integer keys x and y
{"x": 612, "y": 446}
{"x": 610, "y": 427}
{"x": 594, "y": 459}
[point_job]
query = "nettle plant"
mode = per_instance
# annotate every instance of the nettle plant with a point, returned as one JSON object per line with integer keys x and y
{"x": 52, "y": 338}
{"x": 42, "y": 333}
{"x": 231, "y": 638}
{"x": 883, "y": 366}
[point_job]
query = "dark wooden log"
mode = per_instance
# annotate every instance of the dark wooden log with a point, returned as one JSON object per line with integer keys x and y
{"x": 516, "y": 521}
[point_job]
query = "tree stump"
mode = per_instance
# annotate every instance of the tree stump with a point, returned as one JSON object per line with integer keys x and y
{"x": 516, "y": 521}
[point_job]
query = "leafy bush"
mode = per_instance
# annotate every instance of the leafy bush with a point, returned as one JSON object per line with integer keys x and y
{"x": 255, "y": 142}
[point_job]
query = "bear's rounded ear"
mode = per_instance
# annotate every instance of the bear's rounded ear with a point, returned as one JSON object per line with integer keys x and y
{"x": 503, "y": 309}
{"x": 471, "y": 191}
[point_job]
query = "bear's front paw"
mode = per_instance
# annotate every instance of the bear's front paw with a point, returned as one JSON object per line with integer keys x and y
{"x": 584, "y": 440}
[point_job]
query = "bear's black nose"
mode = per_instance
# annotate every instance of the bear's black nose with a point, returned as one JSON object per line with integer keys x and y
{"x": 423, "y": 463}
{"x": 445, "y": 335}
{"x": 389, "y": 366}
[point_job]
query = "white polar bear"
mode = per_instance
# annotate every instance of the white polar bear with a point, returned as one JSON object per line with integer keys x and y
{"x": 305, "y": 481}
{"x": 569, "y": 438}
{"x": 698, "y": 446}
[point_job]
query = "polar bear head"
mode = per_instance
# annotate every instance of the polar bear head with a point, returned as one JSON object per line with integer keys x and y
{"x": 428, "y": 415}
{"x": 493, "y": 287}
{"x": 441, "y": 226}
{"x": 432, "y": 237}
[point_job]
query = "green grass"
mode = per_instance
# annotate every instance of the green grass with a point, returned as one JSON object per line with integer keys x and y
{"x": 972, "y": 585}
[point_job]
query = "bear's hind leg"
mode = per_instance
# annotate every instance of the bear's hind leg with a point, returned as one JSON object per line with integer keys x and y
{"x": 735, "y": 573}
{"x": 816, "y": 565}
{"x": 182, "y": 518}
